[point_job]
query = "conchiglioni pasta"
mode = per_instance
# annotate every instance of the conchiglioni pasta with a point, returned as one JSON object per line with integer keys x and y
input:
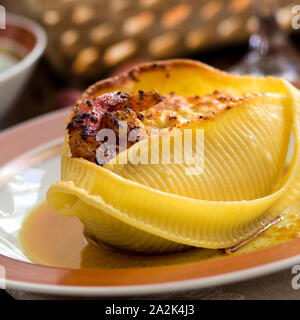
{"x": 160, "y": 207}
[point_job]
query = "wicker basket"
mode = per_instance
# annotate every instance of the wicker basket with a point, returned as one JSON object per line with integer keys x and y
{"x": 88, "y": 37}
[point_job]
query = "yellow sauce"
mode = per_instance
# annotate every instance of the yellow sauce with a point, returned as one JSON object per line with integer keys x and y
{"x": 52, "y": 240}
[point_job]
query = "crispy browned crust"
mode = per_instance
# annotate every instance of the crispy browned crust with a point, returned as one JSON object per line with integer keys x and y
{"x": 137, "y": 114}
{"x": 121, "y": 80}
{"x": 89, "y": 116}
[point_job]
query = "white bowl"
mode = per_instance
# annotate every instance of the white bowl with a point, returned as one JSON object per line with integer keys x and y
{"x": 27, "y": 36}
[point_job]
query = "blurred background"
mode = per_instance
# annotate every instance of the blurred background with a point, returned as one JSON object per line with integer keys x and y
{"x": 92, "y": 39}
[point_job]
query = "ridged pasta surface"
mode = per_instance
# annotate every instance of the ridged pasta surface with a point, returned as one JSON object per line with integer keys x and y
{"x": 160, "y": 207}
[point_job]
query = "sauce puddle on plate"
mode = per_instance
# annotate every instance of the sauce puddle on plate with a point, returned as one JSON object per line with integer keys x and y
{"x": 52, "y": 240}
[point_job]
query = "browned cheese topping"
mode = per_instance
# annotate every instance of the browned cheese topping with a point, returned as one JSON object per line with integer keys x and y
{"x": 142, "y": 111}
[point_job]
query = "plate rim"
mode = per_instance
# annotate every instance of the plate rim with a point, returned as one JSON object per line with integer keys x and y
{"x": 194, "y": 275}
{"x": 144, "y": 289}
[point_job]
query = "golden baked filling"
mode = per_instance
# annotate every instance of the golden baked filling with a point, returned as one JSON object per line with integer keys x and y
{"x": 245, "y": 125}
{"x": 142, "y": 112}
